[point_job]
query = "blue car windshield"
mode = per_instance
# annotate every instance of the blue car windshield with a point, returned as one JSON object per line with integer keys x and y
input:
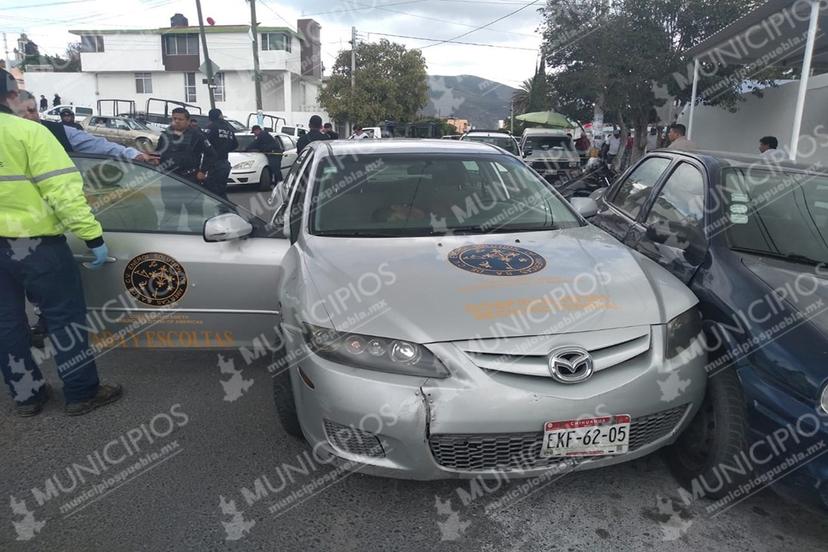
{"x": 397, "y": 195}
{"x": 777, "y": 212}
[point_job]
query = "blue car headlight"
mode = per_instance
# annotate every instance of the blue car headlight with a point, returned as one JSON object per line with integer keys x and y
{"x": 682, "y": 330}
{"x": 374, "y": 353}
{"x": 823, "y": 401}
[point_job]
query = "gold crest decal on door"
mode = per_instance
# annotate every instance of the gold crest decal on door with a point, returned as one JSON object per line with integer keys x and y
{"x": 155, "y": 279}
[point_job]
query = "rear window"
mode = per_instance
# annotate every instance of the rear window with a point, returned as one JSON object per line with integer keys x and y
{"x": 504, "y": 142}
{"x": 549, "y": 142}
{"x": 83, "y": 111}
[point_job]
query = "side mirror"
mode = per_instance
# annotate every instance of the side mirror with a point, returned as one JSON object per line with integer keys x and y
{"x": 527, "y": 151}
{"x": 226, "y": 227}
{"x": 586, "y": 206}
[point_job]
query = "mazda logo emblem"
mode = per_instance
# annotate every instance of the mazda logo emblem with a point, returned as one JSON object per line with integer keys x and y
{"x": 570, "y": 364}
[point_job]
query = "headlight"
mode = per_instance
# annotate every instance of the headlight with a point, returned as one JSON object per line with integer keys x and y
{"x": 244, "y": 165}
{"x": 823, "y": 401}
{"x": 573, "y": 164}
{"x": 374, "y": 353}
{"x": 681, "y": 331}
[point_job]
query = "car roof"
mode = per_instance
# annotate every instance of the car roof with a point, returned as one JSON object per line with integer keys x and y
{"x": 489, "y": 133}
{"x": 545, "y": 131}
{"x": 741, "y": 160}
{"x": 405, "y": 145}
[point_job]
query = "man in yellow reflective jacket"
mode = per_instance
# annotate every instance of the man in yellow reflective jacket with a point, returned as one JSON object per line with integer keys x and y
{"x": 41, "y": 197}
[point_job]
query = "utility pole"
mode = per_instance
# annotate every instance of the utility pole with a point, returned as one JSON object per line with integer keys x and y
{"x": 353, "y": 74}
{"x": 257, "y": 77}
{"x": 207, "y": 63}
{"x": 6, "y": 50}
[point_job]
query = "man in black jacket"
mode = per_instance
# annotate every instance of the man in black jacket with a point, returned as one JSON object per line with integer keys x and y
{"x": 272, "y": 148}
{"x": 223, "y": 139}
{"x": 186, "y": 152}
{"x": 314, "y": 134}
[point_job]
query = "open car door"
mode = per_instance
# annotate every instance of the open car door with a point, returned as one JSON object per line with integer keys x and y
{"x": 186, "y": 268}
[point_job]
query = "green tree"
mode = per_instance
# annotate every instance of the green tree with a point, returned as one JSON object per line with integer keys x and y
{"x": 624, "y": 49}
{"x": 391, "y": 83}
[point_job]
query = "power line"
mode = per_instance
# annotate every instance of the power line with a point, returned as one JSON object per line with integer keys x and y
{"x": 510, "y": 14}
{"x": 48, "y": 4}
{"x": 454, "y": 41}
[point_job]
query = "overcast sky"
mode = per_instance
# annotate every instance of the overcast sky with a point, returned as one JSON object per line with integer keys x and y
{"x": 47, "y": 22}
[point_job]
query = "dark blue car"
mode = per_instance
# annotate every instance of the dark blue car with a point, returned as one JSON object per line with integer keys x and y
{"x": 749, "y": 236}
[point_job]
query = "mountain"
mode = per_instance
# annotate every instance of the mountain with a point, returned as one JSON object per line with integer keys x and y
{"x": 481, "y": 101}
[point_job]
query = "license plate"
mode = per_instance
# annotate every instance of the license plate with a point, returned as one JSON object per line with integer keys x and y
{"x": 587, "y": 436}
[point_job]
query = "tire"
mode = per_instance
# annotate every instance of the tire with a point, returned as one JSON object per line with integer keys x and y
{"x": 144, "y": 145}
{"x": 715, "y": 436}
{"x": 283, "y": 398}
{"x": 266, "y": 180}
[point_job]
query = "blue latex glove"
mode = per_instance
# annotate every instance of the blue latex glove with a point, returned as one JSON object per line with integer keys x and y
{"x": 101, "y": 253}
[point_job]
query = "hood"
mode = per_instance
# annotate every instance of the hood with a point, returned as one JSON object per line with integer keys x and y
{"x": 804, "y": 287}
{"x": 579, "y": 279}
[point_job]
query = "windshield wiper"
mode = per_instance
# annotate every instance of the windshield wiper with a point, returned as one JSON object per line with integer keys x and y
{"x": 465, "y": 230}
{"x": 358, "y": 234}
{"x": 795, "y": 257}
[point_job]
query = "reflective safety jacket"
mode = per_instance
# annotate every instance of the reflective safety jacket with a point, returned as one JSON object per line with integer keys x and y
{"x": 41, "y": 190}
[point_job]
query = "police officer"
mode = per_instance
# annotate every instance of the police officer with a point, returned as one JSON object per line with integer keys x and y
{"x": 315, "y": 133}
{"x": 41, "y": 197}
{"x": 223, "y": 139}
{"x": 186, "y": 152}
{"x": 265, "y": 143}
{"x": 67, "y": 117}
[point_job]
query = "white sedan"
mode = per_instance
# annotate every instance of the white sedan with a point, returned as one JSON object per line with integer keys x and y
{"x": 253, "y": 167}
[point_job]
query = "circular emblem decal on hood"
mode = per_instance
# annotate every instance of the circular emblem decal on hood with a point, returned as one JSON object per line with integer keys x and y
{"x": 155, "y": 279}
{"x": 497, "y": 260}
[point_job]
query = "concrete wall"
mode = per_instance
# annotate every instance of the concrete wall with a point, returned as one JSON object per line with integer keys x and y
{"x": 771, "y": 115}
{"x": 77, "y": 88}
{"x": 133, "y": 52}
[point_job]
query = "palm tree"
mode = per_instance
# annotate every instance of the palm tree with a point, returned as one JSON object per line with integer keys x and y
{"x": 520, "y": 97}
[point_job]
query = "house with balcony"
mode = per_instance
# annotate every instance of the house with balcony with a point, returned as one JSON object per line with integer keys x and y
{"x": 168, "y": 63}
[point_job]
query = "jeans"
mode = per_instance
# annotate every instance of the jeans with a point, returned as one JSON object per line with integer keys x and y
{"x": 44, "y": 270}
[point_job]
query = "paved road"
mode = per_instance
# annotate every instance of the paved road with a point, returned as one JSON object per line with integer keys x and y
{"x": 175, "y": 466}
{"x": 199, "y": 446}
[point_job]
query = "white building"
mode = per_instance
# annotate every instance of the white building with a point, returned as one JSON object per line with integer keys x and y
{"x": 165, "y": 63}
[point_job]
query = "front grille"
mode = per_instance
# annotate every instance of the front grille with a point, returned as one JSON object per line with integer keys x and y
{"x": 521, "y": 451}
{"x": 353, "y": 440}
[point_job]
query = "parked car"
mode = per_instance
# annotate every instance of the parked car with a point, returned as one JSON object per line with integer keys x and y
{"x": 551, "y": 153}
{"x": 749, "y": 238}
{"x": 81, "y": 113}
{"x": 252, "y": 168}
{"x": 293, "y": 131}
{"x": 123, "y": 130}
{"x": 425, "y": 373}
{"x": 499, "y": 138}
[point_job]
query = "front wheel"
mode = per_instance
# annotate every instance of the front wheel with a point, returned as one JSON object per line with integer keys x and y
{"x": 283, "y": 396}
{"x": 144, "y": 145}
{"x": 715, "y": 438}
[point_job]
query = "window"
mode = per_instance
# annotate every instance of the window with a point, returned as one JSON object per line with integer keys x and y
{"x": 92, "y": 43}
{"x": 132, "y": 198}
{"x": 287, "y": 143}
{"x": 776, "y": 213}
{"x": 181, "y": 45}
{"x": 635, "y": 189}
{"x": 83, "y": 111}
{"x": 190, "y": 87}
{"x": 218, "y": 91}
{"x": 681, "y": 199}
{"x": 143, "y": 83}
{"x": 399, "y": 195}
{"x": 276, "y": 41}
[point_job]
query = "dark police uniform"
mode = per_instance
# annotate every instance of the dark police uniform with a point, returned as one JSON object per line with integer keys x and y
{"x": 272, "y": 148}
{"x": 223, "y": 139}
{"x": 185, "y": 155}
{"x": 312, "y": 135}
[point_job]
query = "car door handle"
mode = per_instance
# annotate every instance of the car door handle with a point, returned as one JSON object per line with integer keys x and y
{"x": 81, "y": 258}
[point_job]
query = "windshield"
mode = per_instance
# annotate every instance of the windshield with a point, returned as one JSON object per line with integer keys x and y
{"x": 237, "y": 126}
{"x": 777, "y": 213}
{"x": 504, "y": 142}
{"x": 135, "y": 125}
{"x": 244, "y": 140}
{"x": 423, "y": 195}
{"x": 83, "y": 111}
{"x": 549, "y": 142}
